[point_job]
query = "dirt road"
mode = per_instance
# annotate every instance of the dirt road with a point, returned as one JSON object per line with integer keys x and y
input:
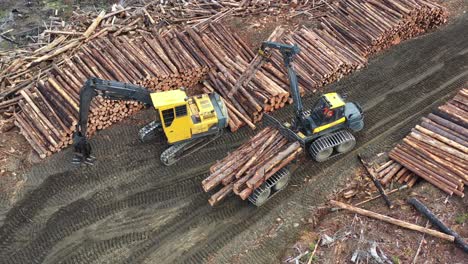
{"x": 129, "y": 208}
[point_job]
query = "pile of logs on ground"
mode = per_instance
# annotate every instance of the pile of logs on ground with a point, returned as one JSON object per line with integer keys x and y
{"x": 267, "y": 91}
{"x": 370, "y": 26}
{"x": 245, "y": 169}
{"x": 19, "y": 68}
{"x": 393, "y": 171}
{"x": 354, "y": 30}
{"x": 437, "y": 149}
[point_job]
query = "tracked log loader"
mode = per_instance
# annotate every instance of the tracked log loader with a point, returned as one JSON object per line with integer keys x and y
{"x": 324, "y": 130}
{"x": 187, "y": 123}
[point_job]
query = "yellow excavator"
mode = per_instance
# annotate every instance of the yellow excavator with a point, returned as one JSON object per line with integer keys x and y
{"x": 187, "y": 123}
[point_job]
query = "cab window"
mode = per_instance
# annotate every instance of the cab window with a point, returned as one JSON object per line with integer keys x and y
{"x": 181, "y": 111}
{"x": 168, "y": 117}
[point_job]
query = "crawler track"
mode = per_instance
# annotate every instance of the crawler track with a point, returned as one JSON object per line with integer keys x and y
{"x": 129, "y": 208}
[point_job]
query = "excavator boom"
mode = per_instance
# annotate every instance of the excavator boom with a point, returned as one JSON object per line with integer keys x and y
{"x": 109, "y": 90}
{"x": 302, "y": 121}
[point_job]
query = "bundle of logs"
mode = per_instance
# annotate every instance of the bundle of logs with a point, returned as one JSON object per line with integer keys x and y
{"x": 437, "y": 149}
{"x": 248, "y": 167}
{"x": 20, "y": 67}
{"x": 393, "y": 171}
{"x": 370, "y": 26}
{"x": 268, "y": 89}
{"x": 351, "y": 32}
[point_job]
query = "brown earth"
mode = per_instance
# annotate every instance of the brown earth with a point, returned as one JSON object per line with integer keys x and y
{"x": 129, "y": 208}
{"x": 352, "y": 233}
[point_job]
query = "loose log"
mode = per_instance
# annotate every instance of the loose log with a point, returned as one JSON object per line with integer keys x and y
{"x": 372, "y": 175}
{"x": 393, "y": 221}
{"x": 436, "y": 222}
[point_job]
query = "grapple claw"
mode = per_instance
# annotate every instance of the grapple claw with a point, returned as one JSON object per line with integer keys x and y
{"x": 82, "y": 150}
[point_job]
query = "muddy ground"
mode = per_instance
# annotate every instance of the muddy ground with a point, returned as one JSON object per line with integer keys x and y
{"x": 129, "y": 208}
{"x": 338, "y": 236}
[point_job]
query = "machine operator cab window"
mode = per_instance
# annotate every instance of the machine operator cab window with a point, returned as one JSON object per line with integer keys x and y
{"x": 168, "y": 114}
{"x": 174, "y": 114}
{"x": 329, "y": 108}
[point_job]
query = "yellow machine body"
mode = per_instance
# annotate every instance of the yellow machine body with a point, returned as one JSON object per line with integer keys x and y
{"x": 184, "y": 118}
{"x": 333, "y": 102}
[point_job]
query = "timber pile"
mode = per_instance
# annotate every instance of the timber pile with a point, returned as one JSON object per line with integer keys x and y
{"x": 19, "y": 68}
{"x": 245, "y": 169}
{"x": 156, "y": 62}
{"x": 370, "y": 26}
{"x": 393, "y": 171}
{"x": 353, "y": 31}
{"x": 437, "y": 149}
{"x": 266, "y": 92}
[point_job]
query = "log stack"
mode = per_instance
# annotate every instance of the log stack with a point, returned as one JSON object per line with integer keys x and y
{"x": 19, "y": 68}
{"x": 393, "y": 171}
{"x": 371, "y": 26}
{"x": 351, "y": 32}
{"x": 245, "y": 169}
{"x": 156, "y": 62}
{"x": 437, "y": 149}
{"x": 266, "y": 91}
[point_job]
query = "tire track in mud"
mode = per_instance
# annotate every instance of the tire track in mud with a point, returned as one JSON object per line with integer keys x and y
{"x": 129, "y": 176}
{"x": 57, "y": 188}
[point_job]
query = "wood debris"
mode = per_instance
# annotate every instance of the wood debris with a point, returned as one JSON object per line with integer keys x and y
{"x": 393, "y": 171}
{"x": 393, "y": 221}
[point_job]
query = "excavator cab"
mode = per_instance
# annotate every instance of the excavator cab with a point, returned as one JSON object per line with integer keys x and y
{"x": 328, "y": 111}
{"x": 183, "y": 118}
{"x": 173, "y": 114}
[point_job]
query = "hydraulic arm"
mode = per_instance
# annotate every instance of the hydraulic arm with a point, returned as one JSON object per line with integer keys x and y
{"x": 302, "y": 121}
{"x": 109, "y": 90}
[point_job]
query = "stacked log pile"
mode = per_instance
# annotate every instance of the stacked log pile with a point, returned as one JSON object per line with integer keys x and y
{"x": 393, "y": 171}
{"x": 158, "y": 63}
{"x": 245, "y": 169}
{"x": 230, "y": 55}
{"x": 19, "y": 68}
{"x": 437, "y": 149}
{"x": 370, "y": 26}
{"x": 353, "y": 31}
